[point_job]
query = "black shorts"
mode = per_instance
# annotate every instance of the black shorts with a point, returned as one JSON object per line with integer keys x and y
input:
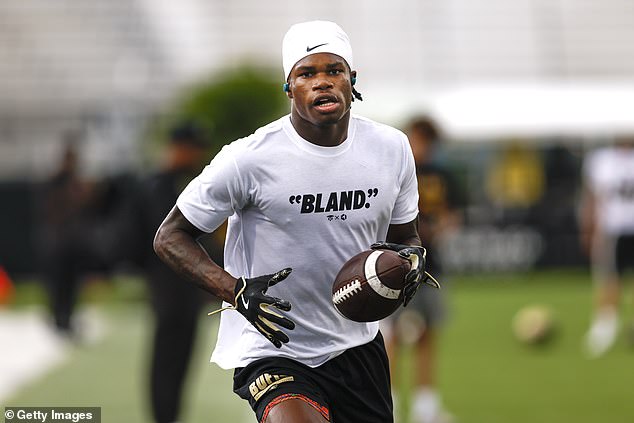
{"x": 624, "y": 253}
{"x": 613, "y": 255}
{"x": 353, "y": 387}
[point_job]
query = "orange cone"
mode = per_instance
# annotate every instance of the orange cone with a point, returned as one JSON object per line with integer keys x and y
{"x": 6, "y": 287}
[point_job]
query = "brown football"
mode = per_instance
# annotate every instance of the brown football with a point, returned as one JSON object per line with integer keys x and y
{"x": 369, "y": 286}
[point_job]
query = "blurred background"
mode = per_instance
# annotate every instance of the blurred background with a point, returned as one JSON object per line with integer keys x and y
{"x": 91, "y": 93}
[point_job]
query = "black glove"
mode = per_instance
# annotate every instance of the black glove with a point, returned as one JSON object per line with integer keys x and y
{"x": 417, "y": 275}
{"x": 253, "y": 303}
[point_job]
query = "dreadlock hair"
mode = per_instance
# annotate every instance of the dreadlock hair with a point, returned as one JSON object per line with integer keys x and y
{"x": 356, "y": 95}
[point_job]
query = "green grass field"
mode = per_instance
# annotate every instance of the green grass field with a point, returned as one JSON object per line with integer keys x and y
{"x": 485, "y": 375}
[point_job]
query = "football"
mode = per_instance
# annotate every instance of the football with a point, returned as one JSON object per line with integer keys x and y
{"x": 534, "y": 324}
{"x": 369, "y": 286}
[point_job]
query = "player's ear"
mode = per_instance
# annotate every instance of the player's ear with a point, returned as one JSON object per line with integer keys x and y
{"x": 353, "y": 77}
{"x": 287, "y": 89}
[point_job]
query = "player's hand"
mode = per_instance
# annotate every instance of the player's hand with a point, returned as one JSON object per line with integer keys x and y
{"x": 417, "y": 275}
{"x": 253, "y": 303}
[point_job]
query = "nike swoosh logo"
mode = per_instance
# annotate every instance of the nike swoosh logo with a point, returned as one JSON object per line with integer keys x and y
{"x": 245, "y": 302}
{"x": 313, "y": 48}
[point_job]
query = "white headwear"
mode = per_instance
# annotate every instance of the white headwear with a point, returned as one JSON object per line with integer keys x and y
{"x": 304, "y": 39}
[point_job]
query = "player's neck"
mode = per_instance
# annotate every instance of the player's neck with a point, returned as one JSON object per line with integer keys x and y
{"x": 325, "y": 135}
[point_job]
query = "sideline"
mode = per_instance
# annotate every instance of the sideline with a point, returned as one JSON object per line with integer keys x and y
{"x": 30, "y": 348}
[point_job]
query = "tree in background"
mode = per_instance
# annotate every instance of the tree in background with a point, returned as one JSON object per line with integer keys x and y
{"x": 230, "y": 105}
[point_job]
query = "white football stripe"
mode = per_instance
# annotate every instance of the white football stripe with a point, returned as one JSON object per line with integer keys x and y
{"x": 373, "y": 279}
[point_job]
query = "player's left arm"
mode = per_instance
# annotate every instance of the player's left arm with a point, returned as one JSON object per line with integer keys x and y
{"x": 404, "y": 239}
{"x": 406, "y": 234}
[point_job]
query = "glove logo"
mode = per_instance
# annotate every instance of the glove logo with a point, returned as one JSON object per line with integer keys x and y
{"x": 245, "y": 302}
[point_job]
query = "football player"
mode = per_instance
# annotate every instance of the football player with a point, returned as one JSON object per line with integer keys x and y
{"x": 284, "y": 190}
{"x": 607, "y": 228}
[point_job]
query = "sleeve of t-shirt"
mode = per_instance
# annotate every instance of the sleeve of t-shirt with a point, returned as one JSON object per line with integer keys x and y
{"x": 406, "y": 207}
{"x": 215, "y": 194}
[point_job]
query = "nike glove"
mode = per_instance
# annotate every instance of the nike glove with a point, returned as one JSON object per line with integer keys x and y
{"x": 417, "y": 256}
{"x": 253, "y": 303}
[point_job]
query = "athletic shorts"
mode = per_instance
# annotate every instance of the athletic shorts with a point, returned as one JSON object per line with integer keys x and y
{"x": 353, "y": 387}
{"x": 613, "y": 255}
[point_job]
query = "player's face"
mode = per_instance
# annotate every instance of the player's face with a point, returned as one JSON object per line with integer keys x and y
{"x": 320, "y": 89}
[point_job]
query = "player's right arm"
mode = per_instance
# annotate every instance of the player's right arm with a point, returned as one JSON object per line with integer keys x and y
{"x": 176, "y": 244}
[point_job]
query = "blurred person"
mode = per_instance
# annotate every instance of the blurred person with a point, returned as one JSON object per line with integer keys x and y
{"x": 607, "y": 229}
{"x": 175, "y": 303}
{"x": 308, "y": 363}
{"x": 420, "y": 322}
{"x": 67, "y": 246}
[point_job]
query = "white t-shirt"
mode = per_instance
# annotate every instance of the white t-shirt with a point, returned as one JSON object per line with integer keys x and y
{"x": 610, "y": 175}
{"x": 291, "y": 203}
